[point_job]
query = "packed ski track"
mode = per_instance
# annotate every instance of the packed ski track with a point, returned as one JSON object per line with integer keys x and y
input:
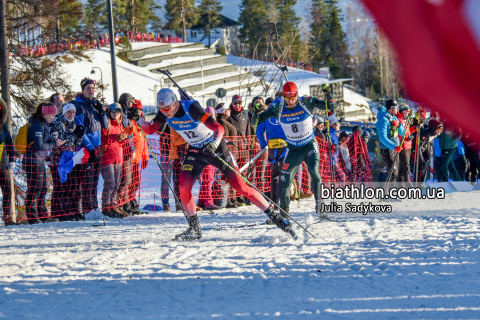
{"x": 420, "y": 261}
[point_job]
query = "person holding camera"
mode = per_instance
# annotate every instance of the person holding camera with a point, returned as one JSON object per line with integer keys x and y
{"x": 90, "y": 113}
{"x": 66, "y": 196}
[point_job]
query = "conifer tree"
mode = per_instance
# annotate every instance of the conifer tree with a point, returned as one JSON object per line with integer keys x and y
{"x": 328, "y": 41}
{"x": 288, "y": 28}
{"x": 181, "y": 15}
{"x": 210, "y": 16}
{"x": 254, "y": 28}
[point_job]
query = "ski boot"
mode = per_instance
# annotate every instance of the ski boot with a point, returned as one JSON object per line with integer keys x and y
{"x": 166, "y": 208}
{"x": 280, "y": 222}
{"x": 321, "y": 215}
{"x": 284, "y": 216}
{"x": 194, "y": 232}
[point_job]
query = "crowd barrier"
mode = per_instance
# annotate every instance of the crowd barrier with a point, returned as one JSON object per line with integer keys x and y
{"x": 48, "y": 191}
{"x": 45, "y": 49}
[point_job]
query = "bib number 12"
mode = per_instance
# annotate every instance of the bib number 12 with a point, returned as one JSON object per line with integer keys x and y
{"x": 191, "y": 134}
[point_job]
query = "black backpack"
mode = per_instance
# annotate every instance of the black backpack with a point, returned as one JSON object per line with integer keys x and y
{"x": 220, "y": 193}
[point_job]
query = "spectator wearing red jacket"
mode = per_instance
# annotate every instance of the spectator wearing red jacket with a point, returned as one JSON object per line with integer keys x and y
{"x": 404, "y": 156}
{"x": 141, "y": 156}
{"x": 112, "y": 160}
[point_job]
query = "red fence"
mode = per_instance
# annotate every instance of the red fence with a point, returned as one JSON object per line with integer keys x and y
{"x": 40, "y": 191}
{"x": 41, "y": 50}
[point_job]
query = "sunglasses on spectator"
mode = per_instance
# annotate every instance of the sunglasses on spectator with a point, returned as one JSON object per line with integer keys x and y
{"x": 237, "y": 103}
{"x": 116, "y": 111}
{"x": 291, "y": 98}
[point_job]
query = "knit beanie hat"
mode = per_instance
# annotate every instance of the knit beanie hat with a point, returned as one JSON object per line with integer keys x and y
{"x": 85, "y": 82}
{"x": 391, "y": 103}
{"x": 332, "y": 119}
{"x": 403, "y": 107}
{"x": 49, "y": 109}
{"x": 210, "y": 110}
{"x": 68, "y": 107}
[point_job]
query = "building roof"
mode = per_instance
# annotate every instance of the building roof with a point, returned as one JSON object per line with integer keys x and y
{"x": 224, "y": 22}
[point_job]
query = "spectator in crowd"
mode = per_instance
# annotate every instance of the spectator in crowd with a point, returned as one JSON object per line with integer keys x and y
{"x": 112, "y": 158}
{"x": 448, "y": 142}
{"x": 344, "y": 153}
{"x": 90, "y": 113}
{"x": 66, "y": 196}
{"x": 460, "y": 161}
{"x": 141, "y": 156}
{"x": 57, "y": 99}
{"x": 366, "y": 136}
{"x": 404, "y": 155}
{"x": 223, "y": 113}
{"x": 239, "y": 119}
{"x": 427, "y": 136}
{"x": 205, "y": 199}
{"x": 319, "y": 127}
{"x": 178, "y": 150}
{"x": 334, "y": 128}
{"x": 269, "y": 101}
{"x": 277, "y": 146}
{"x": 7, "y": 163}
{"x": 388, "y": 130}
{"x": 40, "y": 140}
{"x": 437, "y": 159}
{"x": 126, "y": 100}
{"x": 472, "y": 152}
{"x": 164, "y": 152}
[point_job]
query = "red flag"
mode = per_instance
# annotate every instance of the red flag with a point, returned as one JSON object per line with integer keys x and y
{"x": 438, "y": 47}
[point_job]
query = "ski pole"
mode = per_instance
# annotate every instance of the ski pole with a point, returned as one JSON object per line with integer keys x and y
{"x": 177, "y": 201}
{"x": 417, "y": 152}
{"x": 182, "y": 92}
{"x": 250, "y": 184}
{"x": 329, "y": 140}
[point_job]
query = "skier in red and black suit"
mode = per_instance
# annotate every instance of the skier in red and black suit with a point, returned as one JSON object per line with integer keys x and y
{"x": 205, "y": 137}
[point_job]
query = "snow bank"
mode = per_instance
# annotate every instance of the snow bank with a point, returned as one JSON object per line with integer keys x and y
{"x": 420, "y": 261}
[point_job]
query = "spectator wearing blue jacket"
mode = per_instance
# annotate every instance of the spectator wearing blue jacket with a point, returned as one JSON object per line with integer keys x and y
{"x": 90, "y": 113}
{"x": 340, "y": 175}
{"x": 388, "y": 130}
{"x": 460, "y": 160}
{"x": 275, "y": 139}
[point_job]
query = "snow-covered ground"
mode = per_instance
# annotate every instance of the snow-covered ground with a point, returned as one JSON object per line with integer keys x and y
{"x": 420, "y": 261}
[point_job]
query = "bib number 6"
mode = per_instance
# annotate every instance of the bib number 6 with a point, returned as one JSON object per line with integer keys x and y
{"x": 294, "y": 128}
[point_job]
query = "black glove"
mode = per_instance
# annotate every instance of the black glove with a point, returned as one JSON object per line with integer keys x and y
{"x": 415, "y": 122}
{"x": 79, "y": 131}
{"x": 144, "y": 163}
{"x": 210, "y": 148}
{"x": 99, "y": 107}
{"x": 133, "y": 114}
{"x": 326, "y": 88}
{"x": 93, "y": 156}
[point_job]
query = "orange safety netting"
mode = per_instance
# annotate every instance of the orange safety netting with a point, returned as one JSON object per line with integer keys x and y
{"x": 120, "y": 176}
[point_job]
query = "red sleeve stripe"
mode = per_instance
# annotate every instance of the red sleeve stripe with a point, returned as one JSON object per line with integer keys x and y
{"x": 205, "y": 117}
